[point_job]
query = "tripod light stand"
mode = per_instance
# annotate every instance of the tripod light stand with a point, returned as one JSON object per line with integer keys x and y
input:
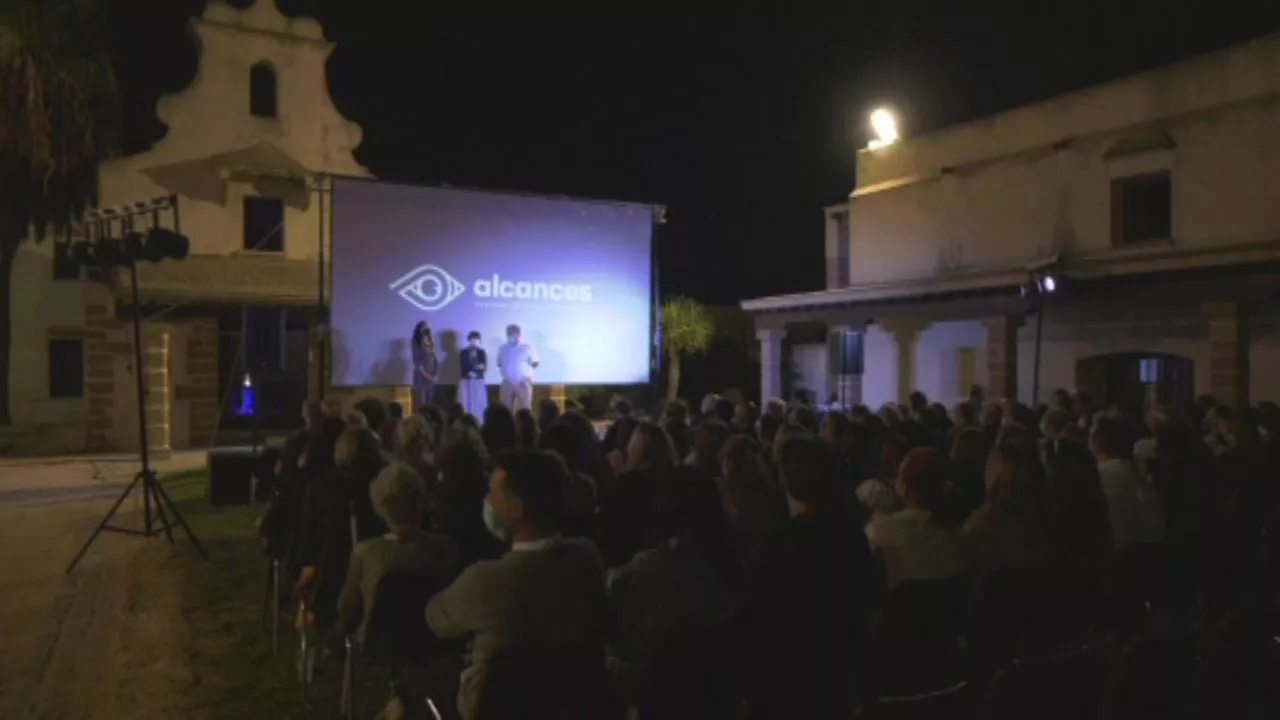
{"x": 105, "y": 252}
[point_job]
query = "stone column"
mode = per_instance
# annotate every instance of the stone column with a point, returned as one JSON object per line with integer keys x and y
{"x": 1002, "y": 357}
{"x": 906, "y": 334}
{"x": 155, "y": 355}
{"x": 1228, "y": 352}
{"x": 847, "y": 386}
{"x": 770, "y": 363}
{"x": 100, "y": 380}
{"x": 201, "y": 391}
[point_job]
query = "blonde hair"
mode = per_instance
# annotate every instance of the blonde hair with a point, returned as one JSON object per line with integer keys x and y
{"x": 399, "y": 496}
{"x": 414, "y": 436}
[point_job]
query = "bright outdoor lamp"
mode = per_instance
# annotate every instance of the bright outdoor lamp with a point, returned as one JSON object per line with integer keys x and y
{"x": 885, "y": 126}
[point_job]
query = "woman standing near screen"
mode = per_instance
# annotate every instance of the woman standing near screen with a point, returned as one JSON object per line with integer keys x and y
{"x": 426, "y": 366}
{"x": 473, "y": 362}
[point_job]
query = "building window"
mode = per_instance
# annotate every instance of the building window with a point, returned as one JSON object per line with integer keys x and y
{"x": 264, "y": 224}
{"x": 262, "y": 91}
{"x": 66, "y": 368}
{"x": 64, "y": 266}
{"x": 1141, "y": 209}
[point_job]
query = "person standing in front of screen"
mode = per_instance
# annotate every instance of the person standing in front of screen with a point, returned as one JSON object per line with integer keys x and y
{"x": 426, "y": 366}
{"x": 517, "y": 361}
{"x": 474, "y": 361}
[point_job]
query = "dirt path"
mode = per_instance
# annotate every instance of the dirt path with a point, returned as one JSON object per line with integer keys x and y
{"x": 108, "y": 641}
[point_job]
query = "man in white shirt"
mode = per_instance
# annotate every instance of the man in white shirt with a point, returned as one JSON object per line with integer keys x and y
{"x": 516, "y": 362}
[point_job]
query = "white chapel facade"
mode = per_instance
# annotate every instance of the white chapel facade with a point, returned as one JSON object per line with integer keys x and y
{"x": 248, "y": 143}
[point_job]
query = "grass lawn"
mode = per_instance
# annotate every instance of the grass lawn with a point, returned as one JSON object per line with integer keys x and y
{"x": 232, "y": 666}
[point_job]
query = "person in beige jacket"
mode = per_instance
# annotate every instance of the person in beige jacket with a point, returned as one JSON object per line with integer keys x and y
{"x": 546, "y": 593}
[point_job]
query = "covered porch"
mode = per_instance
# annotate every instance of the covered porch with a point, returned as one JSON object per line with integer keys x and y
{"x": 1203, "y": 328}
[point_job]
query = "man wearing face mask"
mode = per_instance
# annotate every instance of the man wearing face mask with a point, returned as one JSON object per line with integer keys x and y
{"x": 516, "y": 362}
{"x": 471, "y": 388}
{"x": 544, "y": 599}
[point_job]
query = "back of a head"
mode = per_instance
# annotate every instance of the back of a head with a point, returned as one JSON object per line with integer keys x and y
{"x": 923, "y": 475}
{"x": 917, "y": 401}
{"x": 969, "y": 450}
{"x": 676, "y": 410}
{"x": 688, "y": 506}
{"x": 499, "y": 428}
{"x": 548, "y": 411}
{"x": 395, "y": 410}
{"x": 776, "y": 407}
{"x": 809, "y": 470}
{"x": 622, "y": 408}
{"x": 526, "y": 429}
{"x": 836, "y": 427}
{"x": 966, "y": 414}
{"x": 804, "y": 416}
{"x": 1055, "y": 421}
{"x": 539, "y": 479}
{"x": 681, "y": 437}
{"x": 565, "y": 440}
{"x": 708, "y": 438}
{"x": 1015, "y": 474}
{"x": 708, "y": 404}
{"x": 414, "y": 436}
{"x": 784, "y": 435}
{"x": 650, "y": 448}
{"x": 463, "y": 458}
{"x": 769, "y": 426}
{"x": 724, "y": 410}
{"x": 1111, "y": 437}
{"x": 373, "y": 409}
{"x": 399, "y": 496}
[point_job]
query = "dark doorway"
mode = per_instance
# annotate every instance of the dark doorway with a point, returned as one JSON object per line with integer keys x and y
{"x": 1124, "y": 379}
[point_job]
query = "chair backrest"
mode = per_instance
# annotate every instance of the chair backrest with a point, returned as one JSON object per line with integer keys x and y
{"x": 920, "y": 636}
{"x": 1158, "y": 677}
{"x": 690, "y": 673}
{"x": 398, "y": 635}
{"x": 1064, "y": 686}
{"x": 954, "y": 701}
{"x": 544, "y": 684}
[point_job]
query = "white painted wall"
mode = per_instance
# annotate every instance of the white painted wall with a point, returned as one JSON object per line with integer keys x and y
{"x": 811, "y": 361}
{"x": 208, "y": 118}
{"x": 880, "y": 367}
{"x": 1000, "y": 192}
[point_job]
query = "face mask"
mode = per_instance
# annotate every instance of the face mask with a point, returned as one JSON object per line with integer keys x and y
{"x": 475, "y": 343}
{"x": 491, "y": 522}
{"x": 513, "y": 339}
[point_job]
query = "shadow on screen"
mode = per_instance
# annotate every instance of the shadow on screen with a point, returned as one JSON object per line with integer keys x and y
{"x": 393, "y": 366}
{"x": 449, "y": 368}
{"x": 551, "y": 361}
{"x": 340, "y": 357}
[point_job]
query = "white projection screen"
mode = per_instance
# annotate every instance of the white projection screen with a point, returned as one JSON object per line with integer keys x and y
{"x": 575, "y": 275}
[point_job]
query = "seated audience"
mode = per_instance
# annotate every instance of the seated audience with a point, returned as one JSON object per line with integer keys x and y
{"x": 1009, "y": 530}
{"x": 753, "y": 500}
{"x": 687, "y": 580}
{"x": 547, "y": 593}
{"x": 807, "y": 594}
{"x": 526, "y": 430}
{"x": 1132, "y": 503}
{"x": 400, "y": 500}
{"x": 913, "y": 542}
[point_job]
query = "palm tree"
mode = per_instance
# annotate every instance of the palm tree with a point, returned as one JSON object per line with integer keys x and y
{"x": 59, "y": 115}
{"x": 687, "y": 327}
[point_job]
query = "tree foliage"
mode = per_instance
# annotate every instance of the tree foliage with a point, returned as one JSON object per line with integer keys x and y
{"x": 687, "y": 327}
{"x": 59, "y": 117}
{"x": 59, "y": 114}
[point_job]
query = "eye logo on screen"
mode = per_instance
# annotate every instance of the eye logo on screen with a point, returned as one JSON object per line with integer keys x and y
{"x": 428, "y": 287}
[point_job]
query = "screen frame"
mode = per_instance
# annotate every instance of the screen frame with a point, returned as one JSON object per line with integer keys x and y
{"x": 328, "y": 184}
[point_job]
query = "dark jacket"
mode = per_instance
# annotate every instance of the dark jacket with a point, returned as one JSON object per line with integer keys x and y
{"x": 474, "y": 362}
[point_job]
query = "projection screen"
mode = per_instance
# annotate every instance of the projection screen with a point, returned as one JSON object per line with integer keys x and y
{"x": 575, "y": 275}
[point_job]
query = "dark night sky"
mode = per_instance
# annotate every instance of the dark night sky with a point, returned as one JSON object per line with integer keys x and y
{"x": 744, "y": 123}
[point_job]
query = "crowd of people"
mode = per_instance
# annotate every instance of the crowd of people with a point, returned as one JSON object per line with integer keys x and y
{"x": 733, "y": 561}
